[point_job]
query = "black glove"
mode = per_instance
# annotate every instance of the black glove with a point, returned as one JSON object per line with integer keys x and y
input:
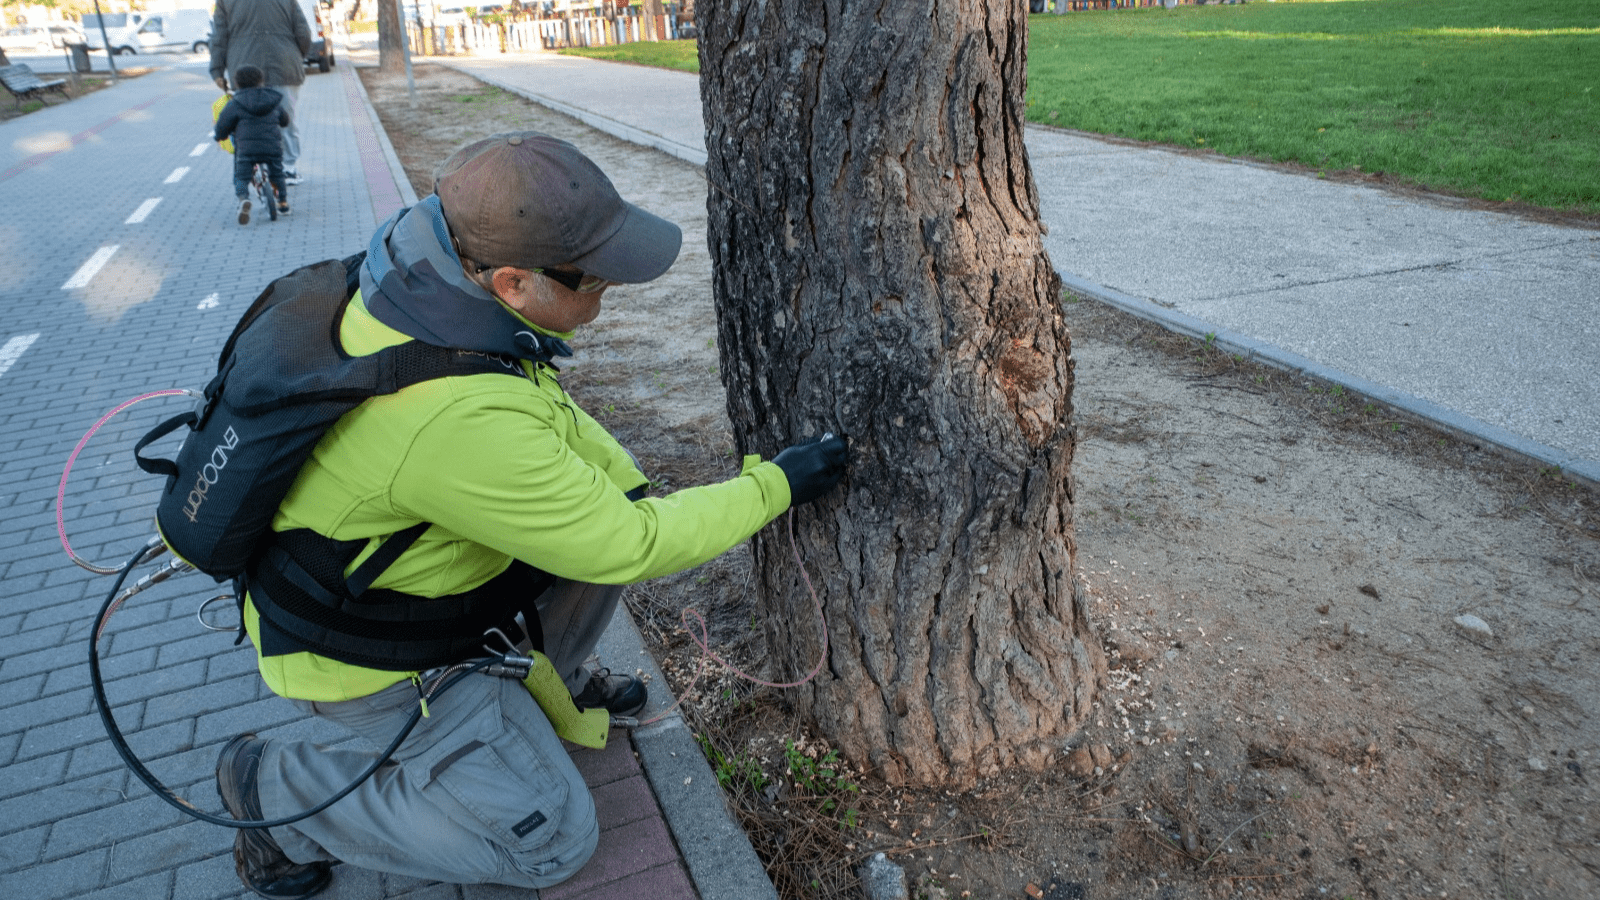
{"x": 814, "y": 467}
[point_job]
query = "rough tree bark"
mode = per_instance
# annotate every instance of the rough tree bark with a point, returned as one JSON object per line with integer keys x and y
{"x": 875, "y": 235}
{"x": 391, "y": 37}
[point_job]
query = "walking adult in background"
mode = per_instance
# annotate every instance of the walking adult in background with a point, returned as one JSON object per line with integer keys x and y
{"x": 272, "y": 35}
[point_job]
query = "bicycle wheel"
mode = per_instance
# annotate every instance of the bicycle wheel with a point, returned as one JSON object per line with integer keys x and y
{"x": 265, "y": 192}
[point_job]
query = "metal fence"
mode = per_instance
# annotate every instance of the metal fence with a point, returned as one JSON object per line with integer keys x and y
{"x": 541, "y": 34}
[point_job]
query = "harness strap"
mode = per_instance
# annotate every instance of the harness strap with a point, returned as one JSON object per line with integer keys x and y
{"x": 298, "y": 614}
{"x": 305, "y": 603}
{"x": 382, "y": 558}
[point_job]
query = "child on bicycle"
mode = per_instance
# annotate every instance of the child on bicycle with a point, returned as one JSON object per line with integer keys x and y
{"x": 254, "y": 118}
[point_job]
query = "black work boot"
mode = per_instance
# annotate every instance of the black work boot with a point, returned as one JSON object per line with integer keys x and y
{"x": 620, "y": 695}
{"x": 256, "y": 856}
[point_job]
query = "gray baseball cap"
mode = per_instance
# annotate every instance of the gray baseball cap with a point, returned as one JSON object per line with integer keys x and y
{"x": 531, "y": 201}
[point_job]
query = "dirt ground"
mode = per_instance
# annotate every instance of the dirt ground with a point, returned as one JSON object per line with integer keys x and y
{"x": 1298, "y": 705}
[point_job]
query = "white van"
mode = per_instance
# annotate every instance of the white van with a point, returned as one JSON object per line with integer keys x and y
{"x": 119, "y": 28}
{"x": 150, "y": 32}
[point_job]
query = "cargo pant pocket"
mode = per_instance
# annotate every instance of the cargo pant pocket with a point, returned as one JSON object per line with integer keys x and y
{"x": 501, "y": 776}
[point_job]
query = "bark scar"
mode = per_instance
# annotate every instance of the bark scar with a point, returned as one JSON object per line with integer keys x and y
{"x": 1023, "y": 372}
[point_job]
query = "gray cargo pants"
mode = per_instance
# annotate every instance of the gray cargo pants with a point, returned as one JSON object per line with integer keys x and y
{"x": 482, "y": 791}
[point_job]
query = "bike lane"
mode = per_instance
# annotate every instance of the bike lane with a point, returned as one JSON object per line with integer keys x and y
{"x": 122, "y": 269}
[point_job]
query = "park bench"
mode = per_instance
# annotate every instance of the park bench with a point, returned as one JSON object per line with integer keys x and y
{"x": 24, "y": 85}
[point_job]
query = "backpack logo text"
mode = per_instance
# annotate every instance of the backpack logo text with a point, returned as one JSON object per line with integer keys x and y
{"x": 209, "y": 473}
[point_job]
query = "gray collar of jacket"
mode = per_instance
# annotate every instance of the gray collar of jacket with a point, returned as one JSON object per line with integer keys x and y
{"x": 412, "y": 281}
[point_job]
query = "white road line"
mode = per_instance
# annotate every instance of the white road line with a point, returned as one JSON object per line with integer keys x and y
{"x": 14, "y": 349}
{"x": 88, "y": 270}
{"x": 208, "y": 303}
{"x": 143, "y": 212}
{"x": 177, "y": 175}
{"x": 199, "y": 148}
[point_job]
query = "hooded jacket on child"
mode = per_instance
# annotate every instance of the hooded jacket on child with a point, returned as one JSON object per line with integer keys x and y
{"x": 254, "y": 119}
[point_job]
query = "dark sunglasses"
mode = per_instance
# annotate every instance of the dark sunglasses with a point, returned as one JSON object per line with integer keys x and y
{"x": 576, "y": 281}
{"x": 572, "y": 281}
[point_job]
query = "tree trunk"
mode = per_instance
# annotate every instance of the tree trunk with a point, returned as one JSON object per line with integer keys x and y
{"x": 391, "y": 37}
{"x": 875, "y": 235}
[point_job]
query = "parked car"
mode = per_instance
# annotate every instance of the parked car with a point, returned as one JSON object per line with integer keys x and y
{"x": 64, "y": 33}
{"x": 22, "y": 38}
{"x": 318, "y": 18}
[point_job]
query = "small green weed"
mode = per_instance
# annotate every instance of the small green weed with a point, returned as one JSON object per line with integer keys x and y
{"x": 821, "y": 780}
{"x": 738, "y": 772}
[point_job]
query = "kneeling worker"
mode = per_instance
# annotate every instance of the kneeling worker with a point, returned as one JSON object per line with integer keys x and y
{"x": 528, "y": 507}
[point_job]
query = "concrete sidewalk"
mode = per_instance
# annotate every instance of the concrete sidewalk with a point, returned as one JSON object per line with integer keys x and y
{"x": 1484, "y": 323}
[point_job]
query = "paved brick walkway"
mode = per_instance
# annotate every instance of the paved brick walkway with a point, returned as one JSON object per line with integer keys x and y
{"x": 122, "y": 269}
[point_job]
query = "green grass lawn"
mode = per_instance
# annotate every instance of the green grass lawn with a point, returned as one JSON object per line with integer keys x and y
{"x": 681, "y": 55}
{"x": 1485, "y": 99}
{"x": 1493, "y": 100}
